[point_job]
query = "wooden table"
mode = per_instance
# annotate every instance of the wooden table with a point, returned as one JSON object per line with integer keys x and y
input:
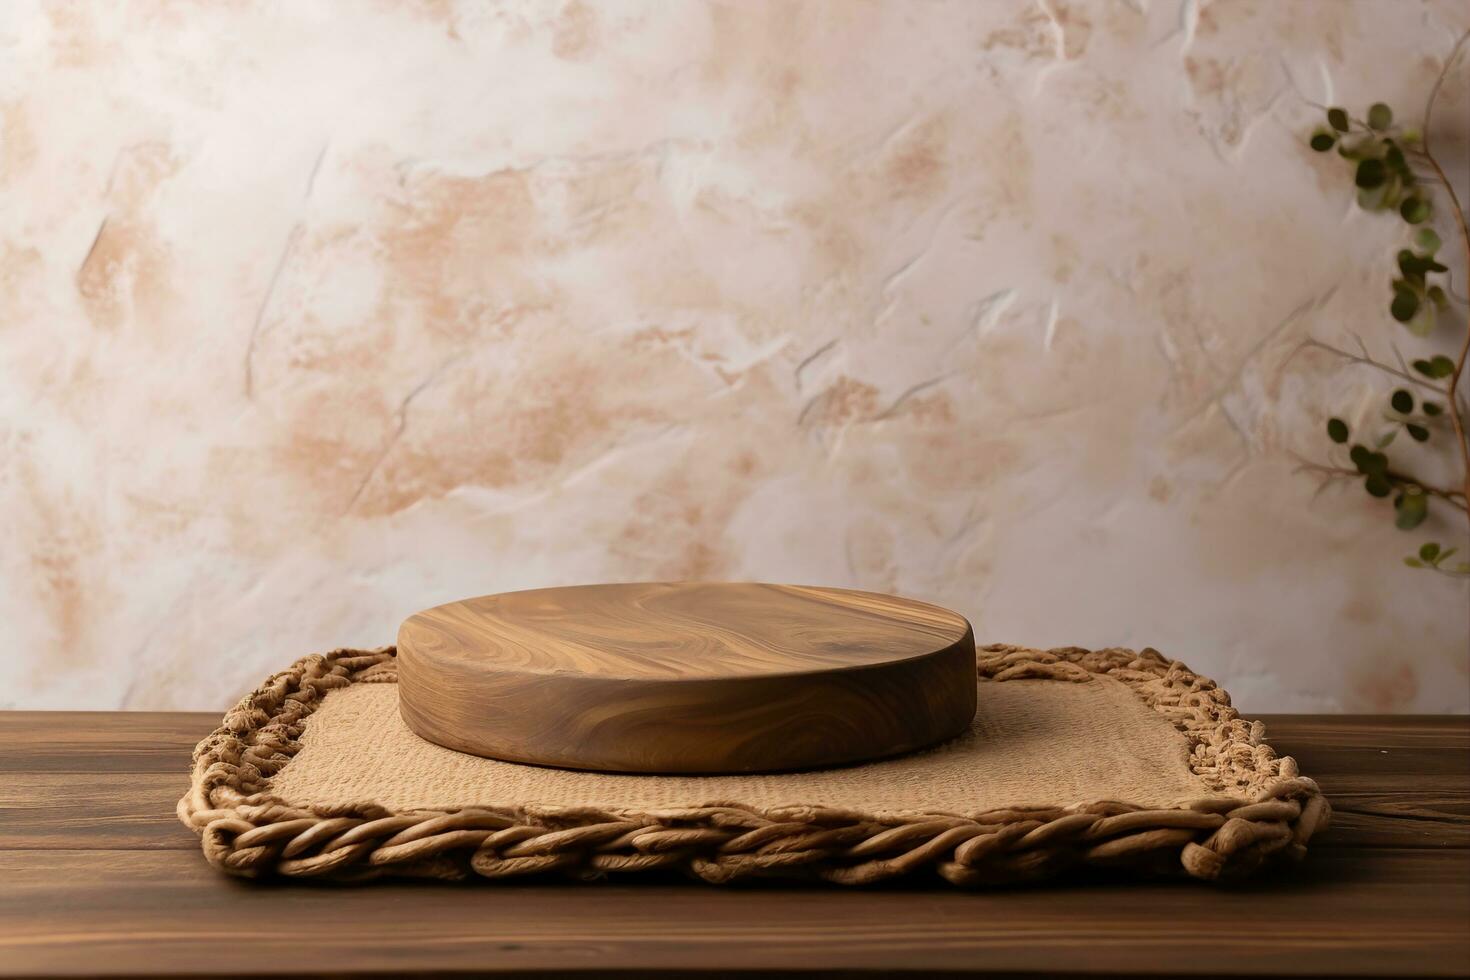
{"x": 97, "y": 877}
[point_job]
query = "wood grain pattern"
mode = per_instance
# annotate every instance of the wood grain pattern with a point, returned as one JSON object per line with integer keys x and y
{"x": 82, "y": 898}
{"x": 686, "y": 677}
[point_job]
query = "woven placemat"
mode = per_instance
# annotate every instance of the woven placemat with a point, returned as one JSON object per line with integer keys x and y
{"x": 1109, "y": 758}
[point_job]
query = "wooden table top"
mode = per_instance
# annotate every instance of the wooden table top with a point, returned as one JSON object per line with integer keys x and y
{"x": 97, "y": 877}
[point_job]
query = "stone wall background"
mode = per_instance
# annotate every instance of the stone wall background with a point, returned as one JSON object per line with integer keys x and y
{"x": 315, "y": 314}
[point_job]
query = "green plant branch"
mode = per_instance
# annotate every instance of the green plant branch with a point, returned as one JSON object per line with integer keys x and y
{"x": 1447, "y": 572}
{"x": 1453, "y": 406}
{"x": 1369, "y": 360}
{"x": 1451, "y": 395}
{"x": 1332, "y": 473}
{"x": 1395, "y": 170}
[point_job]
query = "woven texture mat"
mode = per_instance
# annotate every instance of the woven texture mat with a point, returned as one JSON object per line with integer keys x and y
{"x": 1105, "y": 758}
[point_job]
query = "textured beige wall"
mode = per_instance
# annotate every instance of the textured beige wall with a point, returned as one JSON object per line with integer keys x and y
{"x": 312, "y": 315}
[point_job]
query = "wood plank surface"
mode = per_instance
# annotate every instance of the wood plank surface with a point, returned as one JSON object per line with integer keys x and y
{"x": 92, "y": 811}
{"x": 101, "y": 741}
{"x": 687, "y": 677}
{"x": 96, "y": 878}
{"x": 160, "y": 912}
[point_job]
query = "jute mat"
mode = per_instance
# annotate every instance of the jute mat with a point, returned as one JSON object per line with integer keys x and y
{"x": 1104, "y": 758}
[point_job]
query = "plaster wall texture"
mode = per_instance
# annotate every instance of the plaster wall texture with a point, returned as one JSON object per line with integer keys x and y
{"x": 316, "y": 314}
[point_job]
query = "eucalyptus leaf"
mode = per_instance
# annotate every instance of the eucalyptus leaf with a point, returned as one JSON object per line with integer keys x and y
{"x": 1405, "y": 304}
{"x": 1337, "y": 118}
{"x": 1422, "y": 323}
{"x": 1322, "y": 141}
{"x": 1377, "y": 486}
{"x": 1414, "y": 210}
{"x": 1417, "y": 432}
{"x": 1337, "y": 430}
{"x": 1427, "y": 240}
{"x": 1429, "y": 551}
{"x": 1410, "y": 510}
{"x": 1371, "y": 173}
{"x": 1413, "y": 563}
{"x": 1414, "y": 266}
{"x": 1436, "y": 367}
{"x": 1380, "y": 116}
{"x": 1432, "y": 409}
{"x": 1371, "y": 198}
{"x": 1386, "y": 440}
{"x": 1402, "y": 401}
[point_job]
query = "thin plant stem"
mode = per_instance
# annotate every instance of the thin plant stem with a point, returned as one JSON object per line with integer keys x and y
{"x": 1454, "y": 498}
{"x": 1453, "y": 406}
{"x": 1370, "y": 361}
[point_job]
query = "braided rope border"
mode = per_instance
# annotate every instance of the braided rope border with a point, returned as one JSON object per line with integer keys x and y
{"x": 1265, "y": 810}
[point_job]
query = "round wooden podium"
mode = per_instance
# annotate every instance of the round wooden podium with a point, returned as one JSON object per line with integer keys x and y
{"x": 686, "y": 677}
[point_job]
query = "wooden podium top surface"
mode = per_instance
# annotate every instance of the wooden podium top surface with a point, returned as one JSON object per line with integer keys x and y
{"x": 670, "y": 631}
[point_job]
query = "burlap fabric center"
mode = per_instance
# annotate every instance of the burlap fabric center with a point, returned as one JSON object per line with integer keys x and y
{"x": 1104, "y": 758}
